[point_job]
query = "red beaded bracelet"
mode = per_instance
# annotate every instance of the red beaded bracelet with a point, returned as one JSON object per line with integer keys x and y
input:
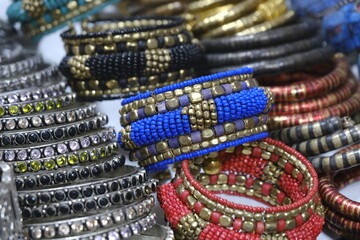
{"x": 316, "y": 104}
{"x": 268, "y": 171}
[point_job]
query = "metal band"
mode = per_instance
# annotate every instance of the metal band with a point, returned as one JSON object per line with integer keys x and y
{"x": 30, "y": 63}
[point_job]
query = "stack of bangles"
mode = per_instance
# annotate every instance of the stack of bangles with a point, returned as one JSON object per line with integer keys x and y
{"x": 275, "y": 51}
{"x": 193, "y": 118}
{"x": 123, "y": 57}
{"x": 267, "y": 171}
{"x": 40, "y": 17}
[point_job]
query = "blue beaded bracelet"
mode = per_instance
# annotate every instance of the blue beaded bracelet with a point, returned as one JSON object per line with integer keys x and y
{"x": 193, "y": 118}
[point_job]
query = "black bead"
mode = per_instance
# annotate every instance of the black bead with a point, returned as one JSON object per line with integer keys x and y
{"x": 116, "y": 198}
{"x": 26, "y": 213}
{"x": 134, "y": 181}
{"x": 60, "y": 196}
{"x": 45, "y": 180}
{"x": 87, "y": 192}
{"x": 91, "y": 125}
{"x": 59, "y": 133}
{"x": 96, "y": 171}
{"x": 115, "y": 164}
{"x": 153, "y": 187}
{"x": 6, "y": 140}
{"x": 82, "y": 127}
{"x": 19, "y": 183}
{"x": 129, "y": 196}
{"x": 107, "y": 167}
{"x": 98, "y": 123}
{"x": 103, "y": 202}
{"x": 90, "y": 204}
{"x": 85, "y": 173}
{"x": 60, "y": 177}
{"x": 45, "y": 198}
{"x": 124, "y": 183}
{"x": 31, "y": 199}
{"x": 64, "y": 209}
{"x": 72, "y": 176}
{"x": 33, "y": 138}
{"x": 78, "y": 207}
{"x": 122, "y": 161}
{"x": 114, "y": 186}
{"x": 140, "y": 179}
{"x": 37, "y": 213}
{"x": 74, "y": 194}
{"x": 138, "y": 193}
{"x": 72, "y": 131}
{"x": 100, "y": 189}
{"x": 20, "y": 139}
{"x": 45, "y": 135}
{"x": 50, "y": 211}
{"x": 30, "y": 183}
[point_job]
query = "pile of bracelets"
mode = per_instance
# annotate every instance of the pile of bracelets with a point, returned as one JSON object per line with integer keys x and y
{"x": 70, "y": 180}
{"x": 118, "y": 58}
{"x": 193, "y": 118}
{"x": 267, "y": 171}
{"x": 217, "y": 18}
{"x": 40, "y": 17}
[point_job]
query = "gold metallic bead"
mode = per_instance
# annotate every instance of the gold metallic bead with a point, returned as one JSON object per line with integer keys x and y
{"x": 195, "y": 97}
{"x": 185, "y": 140}
{"x": 212, "y": 166}
{"x": 248, "y": 226}
{"x": 225, "y": 221}
{"x": 205, "y": 213}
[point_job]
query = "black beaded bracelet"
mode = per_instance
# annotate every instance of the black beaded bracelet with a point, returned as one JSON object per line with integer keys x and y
{"x": 68, "y": 175}
{"x": 307, "y": 131}
{"x": 243, "y": 57}
{"x": 131, "y": 64}
{"x": 279, "y": 35}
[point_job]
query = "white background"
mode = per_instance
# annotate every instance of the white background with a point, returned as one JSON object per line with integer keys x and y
{"x": 51, "y": 47}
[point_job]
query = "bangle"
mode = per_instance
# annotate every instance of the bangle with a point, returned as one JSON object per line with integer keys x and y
{"x": 11, "y": 224}
{"x": 53, "y": 133}
{"x": 94, "y": 203}
{"x": 242, "y": 57}
{"x": 37, "y": 78}
{"x": 31, "y": 94}
{"x": 37, "y": 106}
{"x": 28, "y": 64}
{"x": 55, "y": 177}
{"x": 306, "y": 131}
{"x": 69, "y": 114}
{"x": 158, "y": 232}
{"x": 287, "y": 63}
{"x": 276, "y": 36}
{"x": 194, "y": 119}
{"x": 130, "y": 64}
{"x": 292, "y": 184}
{"x": 344, "y": 108}
{"x": 311, "y": 87}
{"x": 314, "y": 104}
{"x": 288, "y": 16}
{"x": 10, "y": 52}
{"x": 122, "y": 179}
{"x": 84, "y": 224}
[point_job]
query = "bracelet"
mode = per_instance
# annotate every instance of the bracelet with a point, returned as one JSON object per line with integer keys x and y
{"x": 117, "y": 180}
{"x": 55, "y": 177}
{"x": 284, "y": 64}
{"x": 194, "y": 119}
{"x": 37, "y": 78}
{"x": 314, "y": 104}
{"x": 10, "y": 52}
{"x": 298, "y": 133}
{"x": 287, "y": 17}
{"x": 129, "y": 64}
{"x": 61, "y": 147}
{"x": 29, "y": 63}
{"x": 31, "y": 94}
{"x": 11, "y": 224}
{"x": 242, "y": 57}
{"x": 290, "y": 181}
{"x": 294, "y": 32}
{"x": 53, "y": 133}
{"x": 158, "y": 232}
{"x": 94, "y": 203}
{"x": 311, "y": 87}
{"x": 265, "y": 11}
{"x": 345, "y": 108}
{"x": 84, "y": 224}
{"x": 125, "y": 87}
{"x": 329, "y": 142}
{"x": 37, "y": 105}
{"x": 71, "y": 113}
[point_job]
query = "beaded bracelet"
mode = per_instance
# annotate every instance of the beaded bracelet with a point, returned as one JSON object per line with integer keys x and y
{"x": 283, "y": 64}
{"x": 37, "y": 78}
{"x": 37, "y": 106}
{"x": 84, "y": 224}
{"x": 193, "y": 118}
{"x": 311, "y": 87}
{"x": 314, "y": 104}
{"x": 10, "y": 52}
{"x": 53, "y": 133}
{"x": 48, "y": 150}
{"x": 29, "y": 63}
{"x": 267, "y": 170}
{"x": 94, "y": 203}
{"x": 71, "y": 113}
{"x": 54, "y": 177}
{"x": 242, "y": 57}
{"x": 130, "y": 64}
{"x": 308, "y": 131}
{"x": 276, "y": 36}
{"x": 344, "y": 108}
{"x": 121, "y": 179}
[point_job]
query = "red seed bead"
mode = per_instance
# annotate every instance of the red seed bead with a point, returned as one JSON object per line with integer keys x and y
{"x": 237, "y": 224}
{"x": 260, "y": 228}
{"x": 213, "y": 179}
{"x": 249, "y": 182}
{"x": 281, "y": 225}
{"x": 231, "y": 179}
{"x": 184, "y": 195}
{"x": 266, "y": 189}
{"x": 299, "y": 220}
{"x": 198, "y": 206}
{"x": 289, "y": 167}
{"x": 178, "y": 182}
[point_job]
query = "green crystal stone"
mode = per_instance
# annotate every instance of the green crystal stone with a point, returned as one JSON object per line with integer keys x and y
{"x": 93, "y": 155}
{"x": 59, "y": 103}
{"x": 50, "y": 105}
{"x": 14, "y": 110}
{"x": 73, "y": 159}
{"x": 84, "y": 157}
{"x": 27, "y": 108}
{"x": 2, "y": 111}
{"x": 35, "y": 165}
{"x": 102, "y": 152}
{"x": 49, "y": 164}
{"x": 61, "y": 161}
{"x": 39, "y": 107}
{"x": 22, "y": 167}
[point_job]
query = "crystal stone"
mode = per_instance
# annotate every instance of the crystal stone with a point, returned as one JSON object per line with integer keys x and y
{"x": 10, "y": 124}
{"x": 49, "y": 232}
{"x": 36, "y": 121}
{"x": 49, "y": 120}
{"x": 61, "y": 148}
{"x": 92, "y": 224}
{"x": 104, "y": 221}
{"x": 49, "y": 152}
{"x": 130, "y": 212}
{"x": 9, "y": 155}
{"x": 77, "y": 227}
{"x": 95, "y": 139}
{"x": 113, "y": 236}
{"x": 22, "y": 155}
{"x": 23, "y": 123}
{"x": 85, "y": 142}
{"x": 35, "y": 154}
{"x": 119, "y": 217}
{"x": 60, "y": 118}
{"x": 125, "y": 232}
{"x": 136, "y": 228}
{"x": 74, "y": 145}
{"x": 36, "y": 232}
{"x": 63, "y": 229}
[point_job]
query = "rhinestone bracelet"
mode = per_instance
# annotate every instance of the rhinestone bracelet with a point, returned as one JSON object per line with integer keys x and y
{"x": 67, "y": 175}
{"x": 30, "y": 63}
{"x": 90, "y": 154}
{"x": 62, "y": 147}
{"x": 10, "y": 52}
{"x": 84, "y": 224}
{"x": 72, "y": 113}
{"x": 94, "y": 203}
{"x": 37, "y": 105}
{"x": 157, "y": 232}
{"x": 52, "y": 89}
{"x": 53, "y": 133}
{"x": 125, "y": 177}
{"x": 37, "y": 78}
